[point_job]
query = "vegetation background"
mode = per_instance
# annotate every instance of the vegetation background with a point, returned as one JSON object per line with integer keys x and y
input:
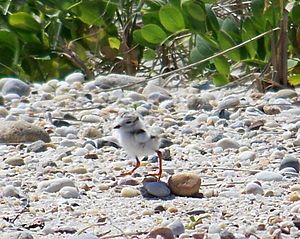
{"x": 46, "y": 39}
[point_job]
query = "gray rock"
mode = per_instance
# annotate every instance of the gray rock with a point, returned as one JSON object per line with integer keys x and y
{"x": 157, "y": 189}
{"x": 269, "y": 176}
{"x": 247, "y": 155}
{"x": 74, "y": 77}
{"x": 10, "y": 191}
{"x": 290, "y": 162}
{"x": 37, "y": 147}
{"x": 21, "y": 132}
{"x": 227, "y": 144}
{"x": 15, "y": 161}
{"x": 177, "y": 227}
{"x": 55, "y": 185}
{"x": 1, "y": 100}
{"x": 285, "y": 93}
{"x": 17, "y": 235}
{"x": 227, "y": 235}
{"x": 151, "y": 88}
{"x": 117, "y": 80}
{"x": 84, "y": 236}
{"x": 158, "y": 97}
{"x": 167, "y": 104}
{"x": 195, "y": 102}
{"x": 69, "y": 192}
{"x": 14, "y": 86}
{"x": 254, "y": 188}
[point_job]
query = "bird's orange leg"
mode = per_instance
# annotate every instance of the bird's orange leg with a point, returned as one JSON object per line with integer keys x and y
{"x": 159, "y": 173}
{"x": 137, "y": 165}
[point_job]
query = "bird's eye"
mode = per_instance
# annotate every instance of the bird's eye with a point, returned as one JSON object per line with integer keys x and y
{"x": 128, "y": 122}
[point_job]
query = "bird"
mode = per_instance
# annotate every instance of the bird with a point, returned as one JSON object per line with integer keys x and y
{"x": 137, "y": 141}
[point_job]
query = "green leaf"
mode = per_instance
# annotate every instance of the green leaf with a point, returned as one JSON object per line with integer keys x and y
{"x": 171, "y": 18}
{"x": 9, "y": 48}
{"x": 149, "y": 54}
{"x": 153, "y": 34}
{"x": 194, "y": 9}
{"x": 114, "y": 42}
{"x": 222, "y": 65}
{"x": 212, "y": 20}
{"x": 24, "y": 21}
{"x": 295, "y": 15}
{"x": 220, "y": 80}
{"x": 229, "y": 26}
{"x": 89, "y": 12}
{"x": 226, "y": 42}
{"x": 292, "y": 63}
{"x": 294, "y": 80}
{"x": 249, "y": 32}
{"x": 203, "y": 47}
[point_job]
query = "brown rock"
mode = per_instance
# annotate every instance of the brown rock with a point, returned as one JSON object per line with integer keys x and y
{"x": 271, "y": 109}
{"x": 164, "y": 232}
{"x": 184, "y": 184}
{"x": 21, "y": 132}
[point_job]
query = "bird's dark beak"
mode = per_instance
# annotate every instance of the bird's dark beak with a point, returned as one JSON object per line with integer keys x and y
{"x": 117, "y": 126}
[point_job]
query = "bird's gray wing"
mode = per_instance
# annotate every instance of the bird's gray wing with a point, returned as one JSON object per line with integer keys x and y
{"x": 141, "y": 136}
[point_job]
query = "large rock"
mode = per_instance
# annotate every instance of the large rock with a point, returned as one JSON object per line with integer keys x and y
{"x": 16, "y": 235}
{"x": 21, "y": 132}
{"x": 184, "y": 184}
{"x": 285, "y": 93}
{"x": 14, "y": 86}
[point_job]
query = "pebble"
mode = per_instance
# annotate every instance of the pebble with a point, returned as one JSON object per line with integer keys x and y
{"x": 91, "y": 133}
{"x": 269, "y": 176}
{"x": 228, "y": 143}
{"x": 247, "y": 155}
{"x": 164, "y": 232}
{"x": 229, "y": 102}
{"x": 214, "y": 228}
{"x": 69, "y": 192}
{"x": 75, "y": 77}
{"x": 177, "y": 227}
{"x": 157, "y": 189}
{"x": 197, "y": 103}
{"x": 14, "y": 86}
{"x": 37, "y": 147}
{"x": 10, "y": 191}
{"x": 128, "y": 192}
{"x": 17, "y": 235}
{"x": 15, "y": 161}
{"x": 271, "y": 109}
{"x": 152, "y": 88}
{"x": 78, "y": 170}
{"x": 285, "y": 93}
{"x": 55, "y": 185}
{"x": 290, "y": 162}
{"x": 254, "y": 188}
{"x": 227, "y": 235}
{"x": 21, "y": 132}
{"x": 184, "y": 184}
{"x": 84, "y": 236}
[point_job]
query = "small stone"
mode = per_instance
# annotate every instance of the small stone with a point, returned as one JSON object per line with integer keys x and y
{"x": 159, "y": 209}
{"x": 227, "y": 235}
{"x": 15, "y": 161}
{"x": 269, "y": 176}
{"x": 69, "y": 192}
{"x": 74, "y": 77}
{"x": 227, "y": 143}
{"x": 295, "y": 187}
{"x": 157, "y": 189}
{"x": 164, "y": 232}
{"x": 10, "y": 191}
{"x": 84, "y": 236}
{"x": 229, "y": 102}
{"x": 254, "y": 188}
{"x": 14, "y": 86}
{"x": 128, "y": 181}
{"x": 184, "y": 184}
{"x": 91, "y": 118}
{"x": 285, "y": 93}
{"x": 17, "y": 235}
{"x": 91, "y": 133}
{"x": 21, "y": 132}
{"x": 247, "y": 155}
{"x": 294, "y": 197}
{"x": 290, "y": 162}
{"x": 78, "y": 170}
{"x": 136, "y": 96}
{"x": 37, "y": 147}
{"x": 55, "y": 185}
{"x": 129, "y": 192}
{"x": 197, "y": 102}
{"x": 214, "y": 228}
{"x": 151, "y": 88}
{"x": 271, "y": 109}
{"x": 177, "y": 227}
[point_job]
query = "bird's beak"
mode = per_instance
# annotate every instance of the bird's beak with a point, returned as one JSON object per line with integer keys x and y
{"x": 117, "y": 126}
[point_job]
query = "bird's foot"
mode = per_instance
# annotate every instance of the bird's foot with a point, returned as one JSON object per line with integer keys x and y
{"x": 154, "y": 174}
